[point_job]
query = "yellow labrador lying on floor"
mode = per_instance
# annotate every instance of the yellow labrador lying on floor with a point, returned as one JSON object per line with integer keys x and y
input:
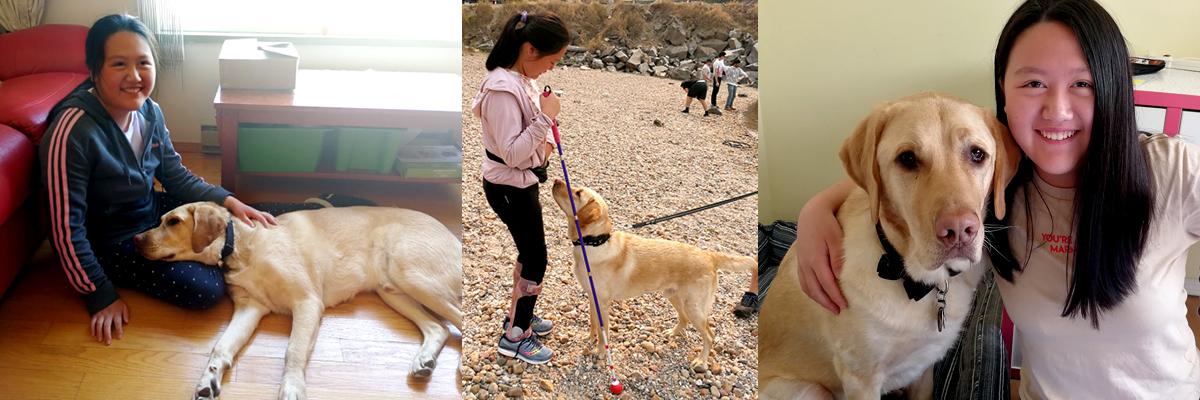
{"x": 625, "y": 265}
{"x": 924, "y": 165}
{"x": 312, "y": 260}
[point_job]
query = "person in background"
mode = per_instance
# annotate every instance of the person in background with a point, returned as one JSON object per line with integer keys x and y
{"x": 694, "y": 89}
{"x": 733, "y": 75}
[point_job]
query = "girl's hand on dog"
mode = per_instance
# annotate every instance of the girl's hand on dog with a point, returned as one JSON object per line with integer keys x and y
{"x": 550, "y": 105}
{"x": 248, "y": 214}
{"x": 819, "y": 247}
{"x": 113, "y": 317}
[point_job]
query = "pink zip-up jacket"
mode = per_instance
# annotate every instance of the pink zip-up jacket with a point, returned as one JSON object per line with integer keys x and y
{"x": 514, "y": 127}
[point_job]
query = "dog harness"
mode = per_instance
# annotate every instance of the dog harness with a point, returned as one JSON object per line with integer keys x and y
{"x": 594, "y": 241}
{"x": 891, "y": 267}
{"x": 228, "y": 248}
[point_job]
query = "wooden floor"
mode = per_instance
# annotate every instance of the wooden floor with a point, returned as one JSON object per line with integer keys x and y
{"x": 363, "y": 350}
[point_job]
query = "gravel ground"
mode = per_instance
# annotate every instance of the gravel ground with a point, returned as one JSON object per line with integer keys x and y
{"x": 624, "y": 137}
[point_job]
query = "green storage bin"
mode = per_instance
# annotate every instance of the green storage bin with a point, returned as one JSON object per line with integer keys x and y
{"x": 429, "y": 162}
{"x": 370, "y": 149}
{"x": 279, "y": 148}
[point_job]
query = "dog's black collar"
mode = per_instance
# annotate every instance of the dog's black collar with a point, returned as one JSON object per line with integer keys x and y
{"x": 891, "y": 267}
{"x": 228, "y": 249}
{"x": 593, "y": 241}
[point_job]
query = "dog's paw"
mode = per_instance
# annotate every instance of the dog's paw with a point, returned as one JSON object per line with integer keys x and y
{"x": 291, "y": 390}
{"x": 422, "y": 366}
{"x": 699, "y": 364}
{"x": 209, "y": 387}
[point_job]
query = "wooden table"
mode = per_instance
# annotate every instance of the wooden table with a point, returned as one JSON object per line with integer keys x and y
{"x": 373, "y": 99}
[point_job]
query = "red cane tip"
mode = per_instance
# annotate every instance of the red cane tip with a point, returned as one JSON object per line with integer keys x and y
{"x": 616, "y": 387}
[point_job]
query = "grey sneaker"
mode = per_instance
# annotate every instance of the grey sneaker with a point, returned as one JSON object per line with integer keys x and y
{"x": 540, "y": 327}
{"x": 747, "y": 307}
{"x": 529, "y": 349}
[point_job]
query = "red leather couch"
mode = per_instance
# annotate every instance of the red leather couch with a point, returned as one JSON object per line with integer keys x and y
{"x": 38, "y": 68}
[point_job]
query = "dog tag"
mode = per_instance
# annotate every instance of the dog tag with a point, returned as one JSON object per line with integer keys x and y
{"x": 941, "y": 300}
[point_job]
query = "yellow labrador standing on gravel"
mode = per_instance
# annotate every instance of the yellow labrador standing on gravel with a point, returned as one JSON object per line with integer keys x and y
{"x": 924, "y": 165}
{"x": 625, "y": 265}
{"x": 312, "y": 260}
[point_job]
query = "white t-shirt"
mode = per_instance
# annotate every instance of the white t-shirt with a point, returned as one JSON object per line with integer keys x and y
{"x": 135, "y": 133}
{"x": 1144, "y": 348}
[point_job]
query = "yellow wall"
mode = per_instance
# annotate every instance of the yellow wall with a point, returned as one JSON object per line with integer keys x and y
{"x": 186, "y": 94}
{"x": 825, "y": 64}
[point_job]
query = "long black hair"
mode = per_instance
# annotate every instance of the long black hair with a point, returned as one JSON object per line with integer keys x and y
{"x": 544, "y": 31}
{"x": 104, "y": 28}
{"x": 1114, "y": 199}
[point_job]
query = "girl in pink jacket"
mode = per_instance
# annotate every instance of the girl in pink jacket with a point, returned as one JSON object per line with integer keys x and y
{"x": 516, "y": 121}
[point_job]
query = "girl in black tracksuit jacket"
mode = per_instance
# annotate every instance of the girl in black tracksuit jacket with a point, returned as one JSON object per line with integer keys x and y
{"x": 101, "y": 195}
{"x": 99, "y": 179}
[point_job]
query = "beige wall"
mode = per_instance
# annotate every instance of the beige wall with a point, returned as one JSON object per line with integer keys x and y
{"x": 186, "y": 94}
{"x": 824, "y": 64}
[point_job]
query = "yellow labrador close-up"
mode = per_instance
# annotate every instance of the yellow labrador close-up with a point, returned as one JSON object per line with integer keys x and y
{"x": 925, "y": 166}
{"x": 312, "y": 260}
{"x": 625, "y": 265}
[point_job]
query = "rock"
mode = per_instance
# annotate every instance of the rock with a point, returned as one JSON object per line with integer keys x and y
{"x": 701, "y": 368}
{"x": 609, "y": 59}
{"x": 705, "y": 53}
{"x": 547, "y": 385}
{"x": 714, "y": 111}
{"x": 680, "y": 73}
{"x": 676, "y": 51}
{"x": 621, "y": 55}
{"x": 752, "y": 57}
{"x": 610, "y": 68}
{"x": 519, "y": 368}
{"x": 644, "y": 69}
{"x": 660, "y": 71}
{"x": 714, "y": 44}
{"x": 576, "y": 49}
{"x": 585, "y": 68}
{"x": 711, "y": 32}
{"x": 514, "y": 392}
{"x": 704, "y": 392}
{"x": 635, "y": 57}
{"x": 647, "y": 345}
{"x": 675, "y": 35}
{"x": 653, "y": 52}
{"x": 597, "y": 63}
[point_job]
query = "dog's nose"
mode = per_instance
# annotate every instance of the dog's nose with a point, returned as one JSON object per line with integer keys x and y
{"x": 956, "y": 227}
{"x": 137, "y": 239}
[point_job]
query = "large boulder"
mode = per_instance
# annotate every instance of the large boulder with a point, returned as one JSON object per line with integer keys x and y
{"x": 705, "y": 53}
{"x": 733, "y": 44}
{"x": 680, "y": 73}
{"x": 714, "y": 44}
{"x": 708, "y": 32}
{"x": 675, "y": 34}
{"x": 676, "y": 51}
{"x": 752, "y": 58}
{"x": 635, "y": 57}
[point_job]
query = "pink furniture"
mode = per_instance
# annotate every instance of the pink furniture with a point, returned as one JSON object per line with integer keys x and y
{"x": 1168, "y": 102}
{"x": 40, "y": 66}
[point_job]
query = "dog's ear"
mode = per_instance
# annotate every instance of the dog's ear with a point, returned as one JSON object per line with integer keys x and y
{"x": 206, "y": 225}
{"x": 589, "y": 209}
{"x": 1008, "y": 157}
{"x": 858, "y": 155}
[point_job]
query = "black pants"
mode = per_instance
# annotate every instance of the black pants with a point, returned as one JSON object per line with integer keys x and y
{"x": 716, "y": 89}
{"x": 521, "y": 212}
{"x": 187, "y": 284}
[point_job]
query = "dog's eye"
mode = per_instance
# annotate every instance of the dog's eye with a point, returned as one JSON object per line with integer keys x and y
{"x": 978, "y": 156}
{"x": 578, "y": 192}
{"x": 172, "y": 221}
{"x": 908, "y": 160}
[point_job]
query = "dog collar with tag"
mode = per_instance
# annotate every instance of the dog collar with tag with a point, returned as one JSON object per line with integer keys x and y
{"x": 891, "y": 267}
{"x": 228, "y": 248}
{"x": 593, "y": 241}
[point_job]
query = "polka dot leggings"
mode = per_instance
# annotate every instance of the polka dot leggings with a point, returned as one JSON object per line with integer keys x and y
{"x": 186, "y": 284}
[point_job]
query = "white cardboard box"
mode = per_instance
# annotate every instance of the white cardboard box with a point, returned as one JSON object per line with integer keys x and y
{"x": 252, "y": 65}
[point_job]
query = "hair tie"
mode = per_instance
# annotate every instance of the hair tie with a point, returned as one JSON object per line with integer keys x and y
{"x": 524, "y": 19}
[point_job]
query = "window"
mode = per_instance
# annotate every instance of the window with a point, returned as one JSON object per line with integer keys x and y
{"x": 431, "y": 22}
